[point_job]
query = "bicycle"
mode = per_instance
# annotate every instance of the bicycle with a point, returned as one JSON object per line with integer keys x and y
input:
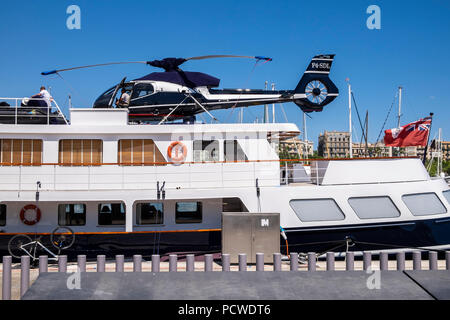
{"x": 21, "y": 244}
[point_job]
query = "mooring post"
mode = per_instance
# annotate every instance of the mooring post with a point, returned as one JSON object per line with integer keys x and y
{"x": 242, "y": 262}
{"x": 173, "y": 263}
{"x": 225, "y": 262}
{"x": 259, "y": 261}
{"x": 62, "y": 263}
{"x": 417, "y": 260}
{"x": 330, "y": 261}
{"x": 400, "y": 261}
{"x": 6, "y": 278}
{"x": 43, "y": 264}
{"x": 101, "y": 263}
{"x": 432, "y": 260}
{"x": 311, "y": 261}
{"x": 119, "y": 262}
{"x": 81, "y": 262}
{"x": 155, "y": 262}
{"x": 294, "y": 261}
{"x": 447, "y": 260}
{"x": 277, "y": 262}
{"x": 190, "y": 260}
{"x": 24, "y": 274}
{"x": 367, "y": 260}
{"x": 208, "y": 262}
{"x": 350, "y": 261}
{"x": 137, "y": 263}
{"x": 384, "y": 261}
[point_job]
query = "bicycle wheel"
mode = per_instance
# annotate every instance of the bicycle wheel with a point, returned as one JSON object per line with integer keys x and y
{"x": 15, "y": 245}
{"x": 62, "y": 238}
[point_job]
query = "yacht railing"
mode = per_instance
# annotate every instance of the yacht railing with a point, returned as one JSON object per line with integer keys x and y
{"x": 31, "y": 111}
{"x": 117, "y": 176}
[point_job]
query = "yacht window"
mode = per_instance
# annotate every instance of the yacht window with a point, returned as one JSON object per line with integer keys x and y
{"x": 423, "y": 204}
{"x": 72, "y": 214}
{"x": 20, "y": 152}
{"x": 77, "y": 152}
{"x": 374, "y": 207}
{"x": 317, "y": 210}
{"x": 206, "y": 150}
{"x": 149, "y": 213}
{"x": 111, "y": 214}
{"x": 233, "y": 205}
{"x": 233, "y": 151}
{"x": 139, "y": 152}
{"x": 447, "y": 195}
{"x": 188, "y": 212}
{"x": 2, "y": 214}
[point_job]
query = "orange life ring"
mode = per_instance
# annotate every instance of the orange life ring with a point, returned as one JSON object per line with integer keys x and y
{"x": 25, "y": 209}
{"x": 177, "y": 152}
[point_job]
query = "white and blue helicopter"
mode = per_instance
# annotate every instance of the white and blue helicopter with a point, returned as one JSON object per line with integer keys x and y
{"x": 177, "y": 94}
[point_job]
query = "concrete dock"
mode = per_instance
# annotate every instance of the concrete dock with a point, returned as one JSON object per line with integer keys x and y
{"x": 110, "y": 267}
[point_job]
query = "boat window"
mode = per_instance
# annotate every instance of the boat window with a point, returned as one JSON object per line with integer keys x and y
{"x": 149, "y": 213}
{"x": 72, "y": 214}
{"x": 317, "y": 210}
{"x": 188, "y": 212}
{"x": 2, "y": 214}
{"x": 233, "y": 151}
{"x": 206, "y": 150}
{"x": 139, "y": 152}
{"x": 233, "y": 205}
{"x": 20, "y": 152}
{"x": 80, "y": 152}
{"x": 111, "y": 214}
{"x": 374, "y": 207}
{"x": 423, "y": 204}
{"x": 447, "y": 195}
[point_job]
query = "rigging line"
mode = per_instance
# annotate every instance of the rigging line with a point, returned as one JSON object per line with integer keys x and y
{"x": 359, "y": 118}
{"x": 72, "y": 88}
{"x": 240, "y": 94}
{"x": 400, "y": 247}
{"x": 387, "y": 116}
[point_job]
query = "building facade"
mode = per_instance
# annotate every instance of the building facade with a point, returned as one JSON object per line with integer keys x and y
{"x": 296, "y": 148}
{"x": 334, "y": 144}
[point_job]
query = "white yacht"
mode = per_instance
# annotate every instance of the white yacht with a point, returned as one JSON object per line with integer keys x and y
{"x": 108, "y": 182}
{"x": 136, "y": 188}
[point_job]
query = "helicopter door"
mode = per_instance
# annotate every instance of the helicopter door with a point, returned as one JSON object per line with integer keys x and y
{"x": 142, "y": 93}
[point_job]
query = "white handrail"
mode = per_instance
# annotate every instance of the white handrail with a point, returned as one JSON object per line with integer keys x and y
{"x": 49, "y": 108}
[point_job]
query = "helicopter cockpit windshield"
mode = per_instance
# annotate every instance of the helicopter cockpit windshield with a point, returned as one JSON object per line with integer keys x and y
{"x": 118, "y": 96}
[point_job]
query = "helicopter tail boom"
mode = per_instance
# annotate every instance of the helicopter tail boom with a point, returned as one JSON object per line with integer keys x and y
{"x": 315, "y": 87}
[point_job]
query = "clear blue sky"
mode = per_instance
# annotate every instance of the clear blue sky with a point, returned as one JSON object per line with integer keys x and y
{"x": 410, "y": 50}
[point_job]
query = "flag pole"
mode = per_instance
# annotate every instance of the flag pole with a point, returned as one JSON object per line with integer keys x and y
{"x": 428, "y": 139}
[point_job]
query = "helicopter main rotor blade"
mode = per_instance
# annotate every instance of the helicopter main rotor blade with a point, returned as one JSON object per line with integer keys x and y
{"x": 46, "y": 73}
{"x": 229, "y": 56}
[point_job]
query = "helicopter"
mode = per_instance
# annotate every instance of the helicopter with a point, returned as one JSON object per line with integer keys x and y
{"x": 177, "y": 94}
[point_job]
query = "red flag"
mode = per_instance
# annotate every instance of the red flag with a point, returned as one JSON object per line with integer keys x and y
{"x": 412, "y": 134}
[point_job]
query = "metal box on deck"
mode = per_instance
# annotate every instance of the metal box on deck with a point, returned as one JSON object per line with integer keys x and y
{"x": 250, "y": 233}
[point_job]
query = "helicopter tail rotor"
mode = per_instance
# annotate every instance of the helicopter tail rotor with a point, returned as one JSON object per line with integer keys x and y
{"x": 315, "y": 88}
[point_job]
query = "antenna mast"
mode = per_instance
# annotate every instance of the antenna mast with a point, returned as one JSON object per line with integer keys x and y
{"x": 399, "y": 105}
{"x": 350, "y": 117}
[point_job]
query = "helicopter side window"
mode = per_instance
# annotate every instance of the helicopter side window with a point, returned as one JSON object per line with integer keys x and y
{"x": 142, "y": 90}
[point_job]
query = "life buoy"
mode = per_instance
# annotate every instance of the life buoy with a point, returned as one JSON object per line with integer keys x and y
{"x": 177, "y": 152}
{"x": 32, "y": 221}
